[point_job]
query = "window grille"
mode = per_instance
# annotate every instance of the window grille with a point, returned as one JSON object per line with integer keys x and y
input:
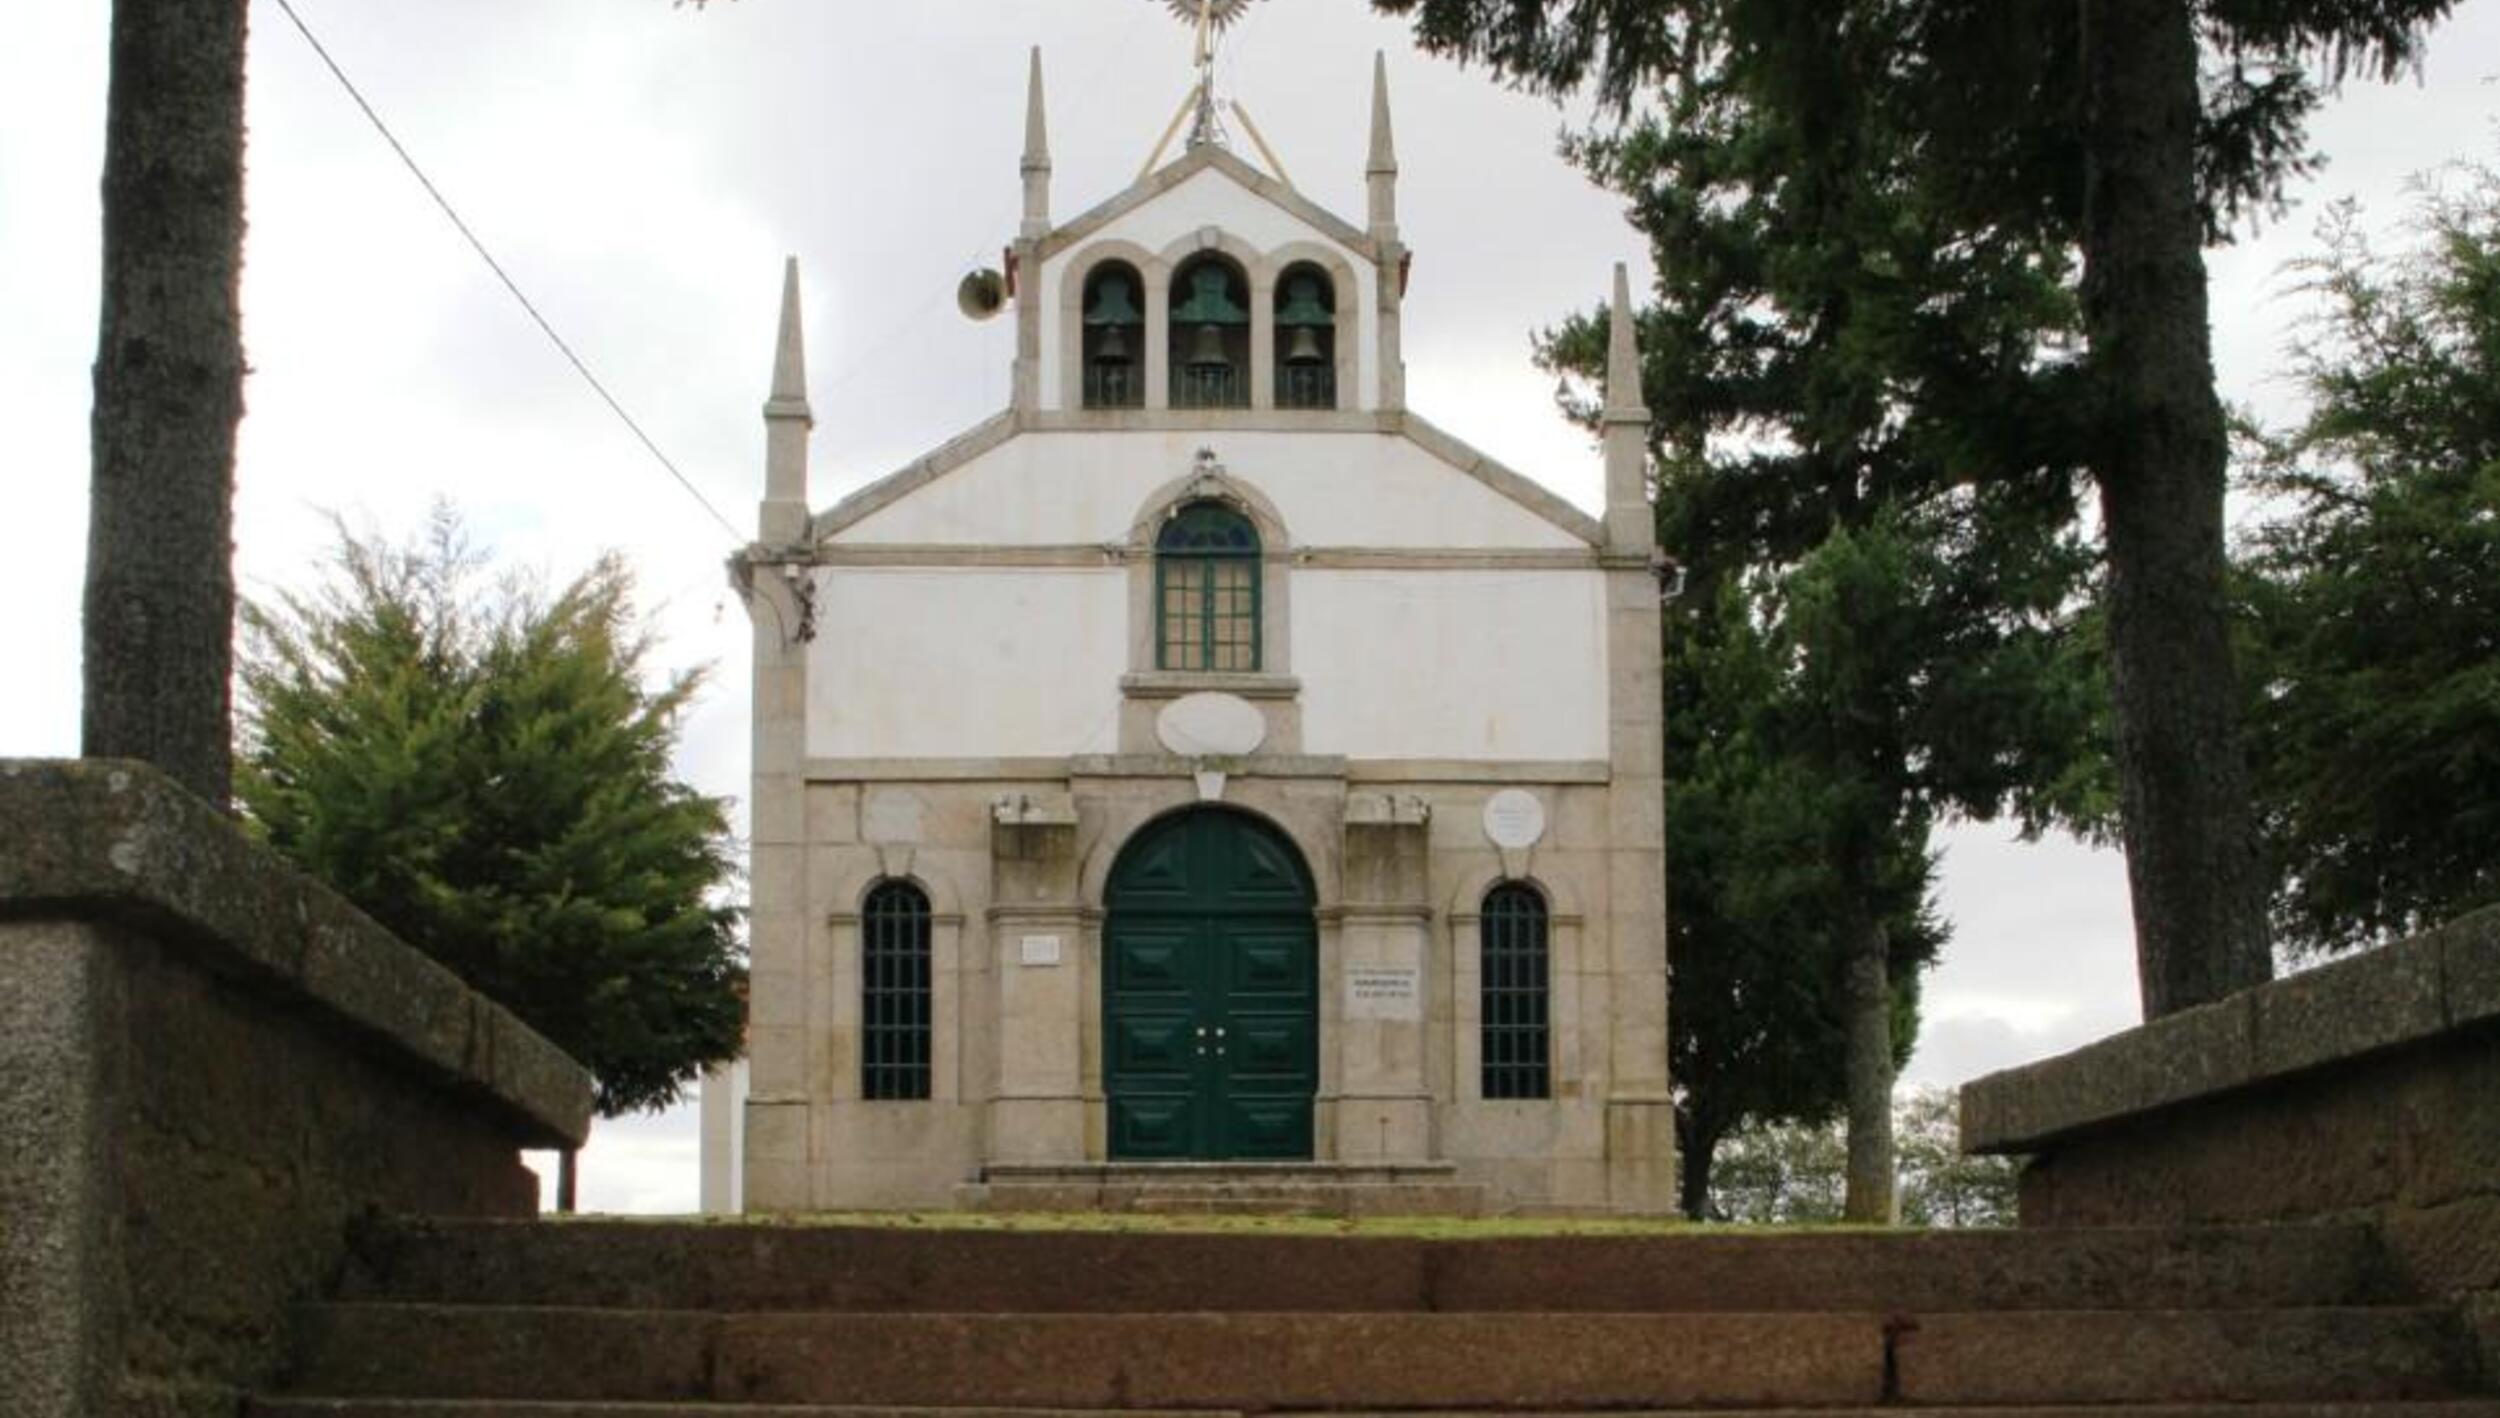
{"x": 894, "y": 988}
{"x": 1517, "y": 999}
{"x": 1306, "y": 386}
{"x": 1207, "y": 591}
{"x": 1209, "y": 387}
{"x": 1114, "y": 386}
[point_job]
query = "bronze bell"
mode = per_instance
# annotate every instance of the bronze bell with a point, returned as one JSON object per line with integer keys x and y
{"x": 1112, "y": 306}
{"x": 1303, "y": 348}
{"x": 1113, "y": 348}
{"x": 1206, "y": 349}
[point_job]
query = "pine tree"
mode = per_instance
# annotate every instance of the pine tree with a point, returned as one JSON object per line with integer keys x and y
{"x": 2376, "y": 587}
{"x": 2133, "y": 131}
{"x": 1858, "y": 404}
{"x": 484, "y": 771}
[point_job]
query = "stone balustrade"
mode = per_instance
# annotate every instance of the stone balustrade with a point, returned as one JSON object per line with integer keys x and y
{"x": 2366, "y": 1089}
{"x": 210, "y": 1068}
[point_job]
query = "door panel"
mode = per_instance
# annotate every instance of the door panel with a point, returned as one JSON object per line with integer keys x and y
{"x": 1269, "y": 1053}
{"x": 1210, "y": 993}
{"x": 1268, "y": 1129}
{"x": 1146, "y": 1126}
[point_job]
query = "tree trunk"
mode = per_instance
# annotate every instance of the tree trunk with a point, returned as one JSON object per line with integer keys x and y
{"x": 1697, "y": 1150}
{"x": 1870, "y": 1198}
{"x": 168, "y": 393}
{"x": 2192, "y": 864}
{"x": 567, "y": 1176}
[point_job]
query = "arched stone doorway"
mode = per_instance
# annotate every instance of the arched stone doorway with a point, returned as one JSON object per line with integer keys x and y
{"x": 1210, "y": 992}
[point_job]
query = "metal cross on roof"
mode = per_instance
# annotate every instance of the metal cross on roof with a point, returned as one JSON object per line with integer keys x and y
{"x": 1200, "y": 109}
{"x": 1211, "y": 17}
{"x": 1215, "y": 14}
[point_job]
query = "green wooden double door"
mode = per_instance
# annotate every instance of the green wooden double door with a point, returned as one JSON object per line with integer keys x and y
{"x": 1210, "y": 993}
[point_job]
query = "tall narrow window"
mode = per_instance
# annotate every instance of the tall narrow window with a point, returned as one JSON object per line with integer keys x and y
{"x": 1306, "y": 340}
{"x": 894, "y": 992}
{"x": 1517, "y": 1001}
{"x": 1210, "y": 335}
{"x": 1114, "y": 343}
{"x": 1207, "y": 591}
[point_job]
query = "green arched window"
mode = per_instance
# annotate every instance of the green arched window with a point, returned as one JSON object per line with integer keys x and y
{"x": 1207, "y": 591}
{"x": 895, "y": 981}
{"x": 1515, "y": 1009}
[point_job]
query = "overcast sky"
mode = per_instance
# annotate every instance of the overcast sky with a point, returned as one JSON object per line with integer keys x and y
{"x": 642, "y": 169}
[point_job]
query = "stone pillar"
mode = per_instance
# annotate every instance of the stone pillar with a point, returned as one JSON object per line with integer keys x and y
{"x": 721, "y": 1097}
{"x": 1037, "y": 924}
{"x": 1035, "y": 170}
{"x": 777, "y": 1161}
{"x": 1262, "y": 339}
{"x": 781, "y": 602}
{"x": 1640, "y": 1118}
{"x": 1381, "y": 1101}
{"x": 1380, "y": 175}
{"x": 1158, "y": 338}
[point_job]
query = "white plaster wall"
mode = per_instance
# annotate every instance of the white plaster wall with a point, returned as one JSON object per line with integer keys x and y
{"x": 966, "y": 662}
{"x": 1452, "y": 664}
{"x": 1332, "y": 489}
{"x": 1212, "y": 198}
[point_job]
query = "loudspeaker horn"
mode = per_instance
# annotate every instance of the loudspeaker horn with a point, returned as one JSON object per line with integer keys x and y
{"x": 981, "y": 294}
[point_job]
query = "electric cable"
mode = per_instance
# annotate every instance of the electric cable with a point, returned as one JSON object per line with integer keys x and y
{"x": 509, "y": 284}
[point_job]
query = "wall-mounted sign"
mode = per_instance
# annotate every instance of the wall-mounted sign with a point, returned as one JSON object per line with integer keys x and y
{"x": 1040, "y": 950}
{"x": 1514, "y": 819}
{"x": 1384, "y": 992}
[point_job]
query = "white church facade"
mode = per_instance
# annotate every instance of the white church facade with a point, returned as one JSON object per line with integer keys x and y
{"x": 1206, "y": 760}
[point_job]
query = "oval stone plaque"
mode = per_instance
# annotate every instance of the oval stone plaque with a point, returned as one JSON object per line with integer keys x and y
{"x": 1211, "y": 726}
{"x": 1514, "y": 818}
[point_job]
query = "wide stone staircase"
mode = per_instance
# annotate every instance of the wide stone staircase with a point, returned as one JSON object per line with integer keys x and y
{"x": 647, "y": 1320}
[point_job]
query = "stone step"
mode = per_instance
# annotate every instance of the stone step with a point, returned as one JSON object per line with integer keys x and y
{"x": 491, "y": 1408}
{"x": 1260, "y": 1362}
{"x": 1252, "y": 1197}
{"x": 751, "y": 1266}
{"x": 1132, "y": 1173}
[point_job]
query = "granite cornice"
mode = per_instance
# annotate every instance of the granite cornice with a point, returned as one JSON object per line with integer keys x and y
{"x": 106, "y": 839}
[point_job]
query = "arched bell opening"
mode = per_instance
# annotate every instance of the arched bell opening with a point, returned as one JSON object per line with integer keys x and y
{"x": 1114, "y": 345}
{"x": 1306, "y": 339}
{"x": 1210, "y": 334}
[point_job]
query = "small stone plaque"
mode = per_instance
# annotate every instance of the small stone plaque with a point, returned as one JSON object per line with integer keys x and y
{"x": 1040, "y": 950}
{"x": 1211, "y": 726}
{"x": 1384, "y": 992}
{"x": 1514, "y": 818}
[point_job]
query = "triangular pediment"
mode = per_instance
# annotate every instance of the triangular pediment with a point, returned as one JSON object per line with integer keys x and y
{"x": 977, "y": 445}
{"x": 1208, "y": 158}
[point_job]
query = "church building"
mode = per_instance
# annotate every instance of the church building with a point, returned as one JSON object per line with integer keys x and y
{"x": 1206, "y": 766}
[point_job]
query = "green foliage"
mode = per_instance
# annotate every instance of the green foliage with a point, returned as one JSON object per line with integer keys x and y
{"x": 483, "y": 770}
{"x": 2377, "y": 592}
{"x": 1991, "y": 89}
{"x": 1863, "y": 213}
{"x": 1791, "y": 1173}
{"x": 1869, "y": 468}
{"x": 1759, "y": 1026}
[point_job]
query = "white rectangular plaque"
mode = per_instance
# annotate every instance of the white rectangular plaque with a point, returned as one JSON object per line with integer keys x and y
{"x": 1041, "y": 950}
{"x": 1384, "y": 992}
